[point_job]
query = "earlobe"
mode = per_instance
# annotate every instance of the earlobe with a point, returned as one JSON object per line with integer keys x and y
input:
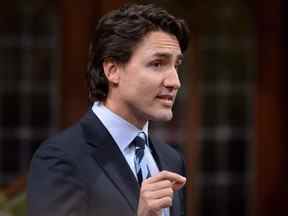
{"x": 111, "y": 70}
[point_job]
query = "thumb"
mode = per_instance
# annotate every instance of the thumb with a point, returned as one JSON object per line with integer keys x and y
{"x": 177, "y": 185}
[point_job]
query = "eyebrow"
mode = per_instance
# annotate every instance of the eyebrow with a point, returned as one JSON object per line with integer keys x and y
{"x": 168, "y": 55}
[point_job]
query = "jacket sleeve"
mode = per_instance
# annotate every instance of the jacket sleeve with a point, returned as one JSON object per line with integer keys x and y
{"x": 54, "y": 189}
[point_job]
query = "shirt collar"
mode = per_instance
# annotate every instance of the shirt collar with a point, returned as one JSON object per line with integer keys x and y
{"x": 121, "y": 130}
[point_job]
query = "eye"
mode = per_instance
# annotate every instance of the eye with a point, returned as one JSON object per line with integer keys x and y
{"x": 178, "y": 64}
{"x": 156, "y": 64}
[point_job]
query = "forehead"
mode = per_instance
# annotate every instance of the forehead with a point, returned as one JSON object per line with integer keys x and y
{"x": 158, "y": 42}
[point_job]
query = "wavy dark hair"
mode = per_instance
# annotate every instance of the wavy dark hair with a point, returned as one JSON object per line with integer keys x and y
{"x": 119, "y": 32}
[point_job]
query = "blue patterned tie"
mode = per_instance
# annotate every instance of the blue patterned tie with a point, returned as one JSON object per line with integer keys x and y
{"x": 141, "y": 166}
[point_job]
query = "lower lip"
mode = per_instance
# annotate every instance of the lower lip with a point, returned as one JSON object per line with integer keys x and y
{"x": 165, "y": 101}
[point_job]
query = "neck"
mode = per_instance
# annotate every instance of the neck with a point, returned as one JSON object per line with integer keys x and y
{"x": 125, "y": 114}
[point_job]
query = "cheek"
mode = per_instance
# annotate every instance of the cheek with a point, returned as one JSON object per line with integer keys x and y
{"x": 144, "y": 85}
{"x": 150, "y": 82}
{"x": 147, "y": 90}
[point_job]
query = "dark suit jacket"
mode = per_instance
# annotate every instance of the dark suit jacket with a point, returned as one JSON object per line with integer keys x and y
{"x": 81, "y": 172}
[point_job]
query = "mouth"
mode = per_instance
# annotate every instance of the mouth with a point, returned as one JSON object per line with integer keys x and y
{"x": 167, "y": 100}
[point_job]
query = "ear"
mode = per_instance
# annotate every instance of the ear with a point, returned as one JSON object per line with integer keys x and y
{"x": 111, "y": 70}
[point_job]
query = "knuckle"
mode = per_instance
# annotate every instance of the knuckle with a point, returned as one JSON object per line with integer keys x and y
{"x": 145, "y": 195}
{"x": 167, "y": 183}
{"x": 165, "y": 173}
{"x": 170, "y": 191}
{"x": 169, "y": 201}
{"x": 144, "y": 183}
{"x": 143, "y": 190}
{"x": 150, "y": 205}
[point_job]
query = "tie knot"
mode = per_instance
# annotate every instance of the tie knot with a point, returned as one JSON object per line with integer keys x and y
{"x": 140, "y": 142}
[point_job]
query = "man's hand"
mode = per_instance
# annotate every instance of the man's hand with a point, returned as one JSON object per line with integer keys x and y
{"x": 157, "y": 191}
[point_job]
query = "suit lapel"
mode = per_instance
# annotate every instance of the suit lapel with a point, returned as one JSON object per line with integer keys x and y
{"x": 109, "y": 157}
{"x": 163, "y": 164}
{"x": 158, "y": 155}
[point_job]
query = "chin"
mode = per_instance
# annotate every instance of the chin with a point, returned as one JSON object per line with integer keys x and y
{"x": 163, "y": 116}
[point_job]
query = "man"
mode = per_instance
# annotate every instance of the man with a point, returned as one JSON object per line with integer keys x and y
{"x": 107, "y": 164}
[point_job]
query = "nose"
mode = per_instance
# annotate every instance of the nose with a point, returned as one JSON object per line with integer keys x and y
{"x": 172, "y": 80}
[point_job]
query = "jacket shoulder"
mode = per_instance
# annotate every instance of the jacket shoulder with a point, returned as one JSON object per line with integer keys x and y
{"x": 68, "y": 141}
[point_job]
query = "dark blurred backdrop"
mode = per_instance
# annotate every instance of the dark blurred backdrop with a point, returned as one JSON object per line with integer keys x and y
{"x": 230, "y": 117}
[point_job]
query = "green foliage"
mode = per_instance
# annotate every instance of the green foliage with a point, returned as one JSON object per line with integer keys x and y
{"x": 14, "y": 207}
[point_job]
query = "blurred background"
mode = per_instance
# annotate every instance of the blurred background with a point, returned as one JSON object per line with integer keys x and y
{"x": 230, "y": 116}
